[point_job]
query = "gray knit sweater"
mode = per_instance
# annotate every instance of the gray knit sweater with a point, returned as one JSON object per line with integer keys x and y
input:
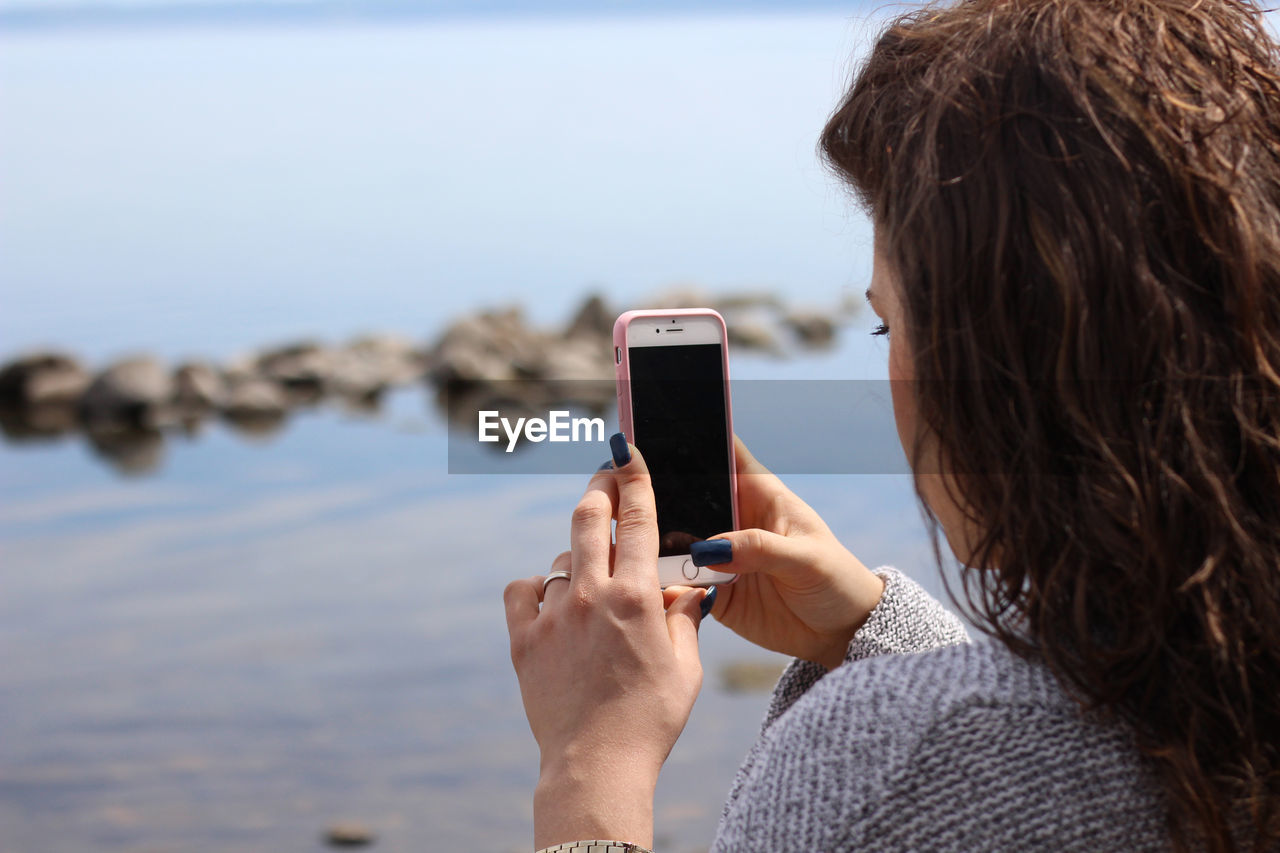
{"x": 925, "y": 741}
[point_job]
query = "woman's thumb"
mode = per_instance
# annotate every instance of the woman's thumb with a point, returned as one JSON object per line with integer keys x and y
{"x": 684, "y": 614}
{"x": 749, "y": 551}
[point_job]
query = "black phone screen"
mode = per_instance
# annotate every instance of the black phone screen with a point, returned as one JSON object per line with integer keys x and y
{"x": 678, "y": 415}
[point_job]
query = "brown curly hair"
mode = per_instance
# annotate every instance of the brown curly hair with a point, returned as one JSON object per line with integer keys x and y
{"x": 1081, "y": 200}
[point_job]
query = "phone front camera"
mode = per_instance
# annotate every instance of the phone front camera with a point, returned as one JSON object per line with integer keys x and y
{"x": 656, "y": 331}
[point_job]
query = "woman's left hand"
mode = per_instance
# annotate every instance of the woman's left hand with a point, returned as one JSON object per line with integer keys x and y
{"x": 608, "y": 666}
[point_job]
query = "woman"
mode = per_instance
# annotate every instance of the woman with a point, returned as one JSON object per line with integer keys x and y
{"x": 1077, "y": 208}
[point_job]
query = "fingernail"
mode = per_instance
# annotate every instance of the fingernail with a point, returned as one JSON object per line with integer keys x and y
{"x": 711, "y": 552}
{"x": 707, "y": 601}
{"x": 621, "y": 453}
{"x": 608, "y": 463}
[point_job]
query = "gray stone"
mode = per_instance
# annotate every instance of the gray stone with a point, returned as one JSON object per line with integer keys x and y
{"x": 356, "y": 379}
{"x": 42, "y": 378}
{"x": 348, "y": 834}
{"x": 752, "y": 334}
{"x": 368, "y": 365}
{"x": 135, "y": 391}
{"x": 750, "y": 676}
{"x": 242, "y": 368}
{"x": 679, "y": 296}
{"x": 592, "y": 319}
{"x": 489, "y": 347}
{"x": 812, "y": 328}
{"x": 579, "y": 371}
{"x": 739, "y": 301}
{"x": 39, "y": 422}
{"x": 302, "y": 368}
{"x": 393, "y": 351}
{"x": 255, "y": 400}
{"x": 359, "y": 405}
{"x": 198, "y": 387}
{"x": 578, "y": 359}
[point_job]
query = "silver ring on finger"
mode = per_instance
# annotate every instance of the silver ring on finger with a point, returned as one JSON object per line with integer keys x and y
{"x": 554, "y": 576}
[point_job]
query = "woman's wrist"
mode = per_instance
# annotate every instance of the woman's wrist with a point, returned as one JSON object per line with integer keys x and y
{"x": 868, "y": 598}
{"x": 835, "y": 653}
{"x": 603, "y": 800}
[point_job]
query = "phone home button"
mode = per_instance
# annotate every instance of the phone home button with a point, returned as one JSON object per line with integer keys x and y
{"x": 689, "y": 570}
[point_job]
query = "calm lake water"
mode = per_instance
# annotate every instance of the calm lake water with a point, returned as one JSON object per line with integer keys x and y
{"x": 263, "y": 636}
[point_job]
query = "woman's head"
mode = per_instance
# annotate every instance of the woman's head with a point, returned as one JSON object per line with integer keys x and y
{"x": 1079, "y": 204}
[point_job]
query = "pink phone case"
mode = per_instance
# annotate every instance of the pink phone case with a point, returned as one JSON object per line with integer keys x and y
{"x": 623, "y": 374}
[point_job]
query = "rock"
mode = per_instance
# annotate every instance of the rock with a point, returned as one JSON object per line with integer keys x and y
{"x": 255, "y": 400}
{"x": 357, "y": 379}
{"x": 360, "y": 406}
{"x": 489, "y": 347}
{"x": 680, "y": 296}
{"x": 302, "y": 369}
{"x": 751, "y": 676}
{"x": 692, "y": 296}
{"x": 740, "y": 301}
{"x": 368, "y": 365}
{"x": 579, "y": 371}
{"x": 349, "y": 835}
{"x": 42, "y": 378}
{"x": 494, "y": 356}
{"x": 593, "y": 319}
{"x": 812, "y": 328}
{"x": 461, "y": 405}
{"x": 257, "y": 429}
{"x": 579, "y": 359}
{"x": 191, "y": 424}
{"x": 135, "y": 391}
{"x": 753, "y": 335}
{"x": 198, "y": 387}
{"x": 39, "y": 422}
{"x": 408, "y": 360}
{"x": 471, "y": 365}
{"x": 242, "y": 368}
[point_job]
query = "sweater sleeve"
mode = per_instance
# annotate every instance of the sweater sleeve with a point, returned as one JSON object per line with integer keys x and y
{"x": 961, "y": 748}
{"x": 906, "y": 620}
{"x": 784, "y": 761}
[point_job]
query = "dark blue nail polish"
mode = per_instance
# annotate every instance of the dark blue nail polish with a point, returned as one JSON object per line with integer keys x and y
{"x": 621, "y": 453}
{"x": 608, "y": 463}
{"x": 707, "y": 601}
{"x": 711, "y": 552}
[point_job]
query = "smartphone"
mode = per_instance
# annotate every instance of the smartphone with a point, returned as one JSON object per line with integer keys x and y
{"x": 673, "y": 404}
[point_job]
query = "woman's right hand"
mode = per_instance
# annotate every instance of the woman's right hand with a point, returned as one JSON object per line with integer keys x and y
{"x": 799, "y": 591}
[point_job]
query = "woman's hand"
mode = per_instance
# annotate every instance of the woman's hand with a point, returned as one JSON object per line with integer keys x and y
{"x": 799, "y": 591}
{"x": 608, "y": 665}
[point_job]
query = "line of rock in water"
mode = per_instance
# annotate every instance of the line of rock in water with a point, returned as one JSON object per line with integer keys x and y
{"x": 125, "y": 408}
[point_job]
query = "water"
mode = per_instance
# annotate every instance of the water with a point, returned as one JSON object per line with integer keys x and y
{"x": 263, "y": 636}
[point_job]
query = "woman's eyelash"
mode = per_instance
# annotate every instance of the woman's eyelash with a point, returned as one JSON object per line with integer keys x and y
{"x": 882, "y": 329}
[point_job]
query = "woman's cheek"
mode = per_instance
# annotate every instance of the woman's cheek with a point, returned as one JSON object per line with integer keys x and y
{"x": 904, "y": 402}
{"x": 927, "y": 470}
